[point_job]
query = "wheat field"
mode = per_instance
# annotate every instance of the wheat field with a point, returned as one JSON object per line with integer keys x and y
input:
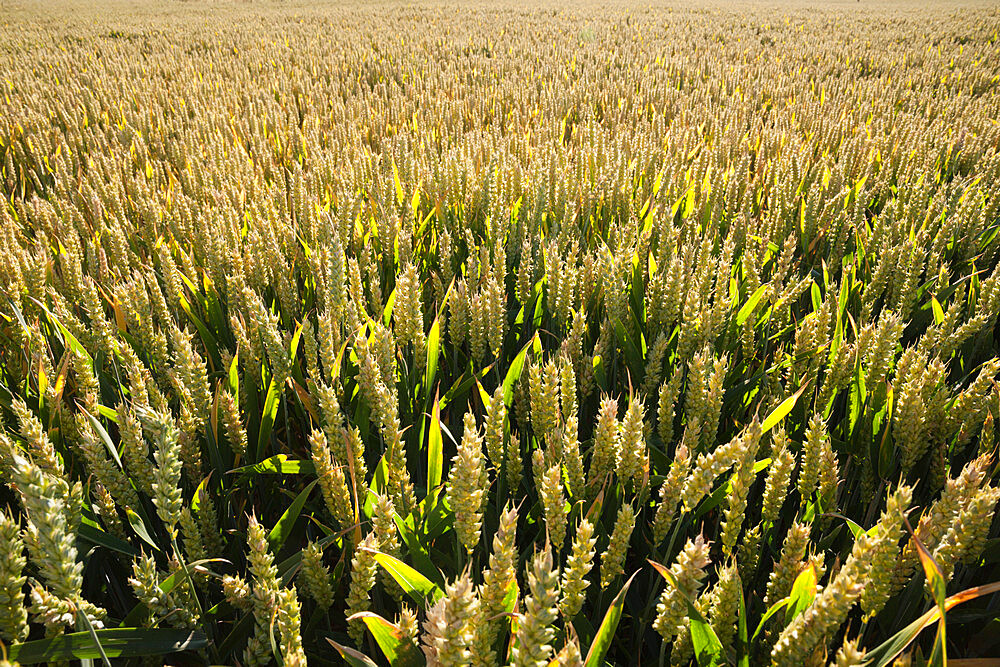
{"x": 476, "y": 334}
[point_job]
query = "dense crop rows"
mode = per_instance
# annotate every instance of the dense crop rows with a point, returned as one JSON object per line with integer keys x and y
{"x": 494, "y": 335}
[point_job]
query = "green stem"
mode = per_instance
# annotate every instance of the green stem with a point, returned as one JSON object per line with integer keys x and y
{"x": 194, "y": 594}
{"x": 650, "y": 606}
